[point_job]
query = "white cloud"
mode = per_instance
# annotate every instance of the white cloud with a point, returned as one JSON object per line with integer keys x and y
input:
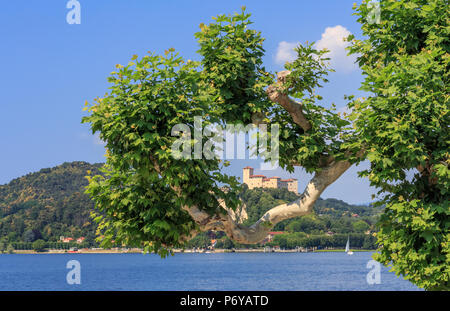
{"x": 332, "y": 39}
{"x": 285, "y": 52}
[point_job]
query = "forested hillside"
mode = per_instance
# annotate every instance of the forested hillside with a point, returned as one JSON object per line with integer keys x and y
{"x": 48, "y": 204}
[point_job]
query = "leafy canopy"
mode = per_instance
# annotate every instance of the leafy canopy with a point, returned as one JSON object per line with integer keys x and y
{"x": 145, "y": 190}
{"x": 405, "y": 124}
{"x": 330, "y": 134}
{"x": 402, "y": 128}
{"x": 148, "y": 98}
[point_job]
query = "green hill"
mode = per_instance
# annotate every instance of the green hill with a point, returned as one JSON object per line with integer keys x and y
{"x": 52, "y": 203}
{"x": 48, "y": 204}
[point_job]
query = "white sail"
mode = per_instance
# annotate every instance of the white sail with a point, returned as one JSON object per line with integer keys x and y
{"x": 347, "y": 246}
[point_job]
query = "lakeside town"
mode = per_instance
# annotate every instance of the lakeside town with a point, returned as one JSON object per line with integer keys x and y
{"x": 266, "y": 246}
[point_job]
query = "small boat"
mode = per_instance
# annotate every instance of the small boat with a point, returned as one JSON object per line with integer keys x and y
{"x": 347, "y": 247}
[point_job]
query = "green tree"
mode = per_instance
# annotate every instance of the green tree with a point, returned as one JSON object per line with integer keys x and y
{"x": 200, "y": 241}
{"x": 29, "y": 236}
{"x": 342, "y": 225}
{"x": 360, "y": 226}
{"x": 225, "y": 243}
{"x": 369, "y": 242}
{"x": 10, "y": 249}
{"x": 150, "y": 196}
{"x": 39, "y": 245}
{"x": 280, "y": 240}
{"x": 308, "y": 224}
{"x": 404, "y": 124}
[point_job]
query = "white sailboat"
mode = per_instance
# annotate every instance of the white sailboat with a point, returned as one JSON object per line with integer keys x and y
{"x": 347, "y": 247}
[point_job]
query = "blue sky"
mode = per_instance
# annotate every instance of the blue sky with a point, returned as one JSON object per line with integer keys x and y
{"x": 50, "y": 68}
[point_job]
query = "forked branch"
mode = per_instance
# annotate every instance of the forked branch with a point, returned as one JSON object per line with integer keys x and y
{"x": 259, "y": 230}
{"x": 277, "y": 94}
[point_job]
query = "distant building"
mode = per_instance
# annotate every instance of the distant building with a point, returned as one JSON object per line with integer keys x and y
{"x": 67, "y": 240}
{"x": 269, "y": 237}
{"x": 272, "y": 234}
{"x": 213, "y": 243}
{"x": 261, "y": 181}
{"x": 81, "y": 240}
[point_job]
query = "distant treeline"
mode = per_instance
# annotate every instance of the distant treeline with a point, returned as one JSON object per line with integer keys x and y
{"x": 293, "y": 240}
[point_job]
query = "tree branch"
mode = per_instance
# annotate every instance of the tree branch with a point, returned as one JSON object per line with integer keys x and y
{"x": 230, "y": 224}
{"x": 277, "y": 95}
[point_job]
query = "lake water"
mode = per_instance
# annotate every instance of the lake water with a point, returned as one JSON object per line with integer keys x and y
{"x": 186, "y": 271}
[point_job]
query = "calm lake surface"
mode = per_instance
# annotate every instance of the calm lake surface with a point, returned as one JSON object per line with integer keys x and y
{"x": 215, "y": 271}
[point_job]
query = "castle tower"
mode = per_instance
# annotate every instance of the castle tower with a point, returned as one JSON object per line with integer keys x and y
{"x": 293, "y": 185}
{"x": 247, "y": 172}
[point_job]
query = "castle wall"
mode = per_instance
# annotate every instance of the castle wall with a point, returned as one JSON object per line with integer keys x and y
{"x": 260, "y": 181}
{"x": 255, "y": 182}
{"x": 293, "y": 186}
{"x": 270, "y": 183}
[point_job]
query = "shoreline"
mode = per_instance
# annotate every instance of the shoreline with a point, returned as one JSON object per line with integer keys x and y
{"x": 187, "y": 251}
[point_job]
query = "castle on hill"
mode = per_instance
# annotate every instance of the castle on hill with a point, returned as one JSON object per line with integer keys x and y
{"x": 261, "y": 181}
